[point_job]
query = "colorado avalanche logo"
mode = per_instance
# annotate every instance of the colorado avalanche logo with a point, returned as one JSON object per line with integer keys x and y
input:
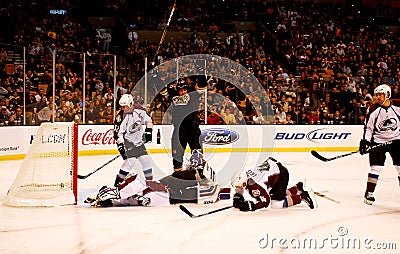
{"x": 134, "y": 127}
{"x": 388, "y": 124}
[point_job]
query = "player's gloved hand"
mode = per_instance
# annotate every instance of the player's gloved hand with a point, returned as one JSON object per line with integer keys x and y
{"x": 148, "y": 135}
{"x": 247, "y": 206}
{"x": 238, "y": 199}
{"x": 121, "y": 150}
{"x": 364, "y": 145}
{"x": 144, "y": 201}
{"x": 121, "y": 147}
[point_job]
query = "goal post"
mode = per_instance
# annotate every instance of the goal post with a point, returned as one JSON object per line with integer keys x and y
{"x": 48, "y": 174}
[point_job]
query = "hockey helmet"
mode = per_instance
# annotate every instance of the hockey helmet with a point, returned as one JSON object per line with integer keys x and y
{"x": 126, "y": 100}
{"x": 197, "y": 158}
{"x": 240, "y": 181}
{"x": 384, "y": 89}
{"x": 182, "y": 85}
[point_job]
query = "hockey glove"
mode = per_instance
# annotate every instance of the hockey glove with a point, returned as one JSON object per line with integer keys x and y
{"x": 238, "y": 199}
{"x": 247, "y": 206}
{"x": 139, "y": 200}
{"x": 148, "y": 135}
{"x": 364, "y": 146}
{"x": 121, "y": 150}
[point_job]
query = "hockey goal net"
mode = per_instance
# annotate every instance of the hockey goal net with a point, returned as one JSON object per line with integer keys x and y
{"x": 48, "y": 174}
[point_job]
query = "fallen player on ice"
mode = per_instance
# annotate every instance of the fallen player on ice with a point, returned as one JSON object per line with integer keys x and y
{"x": 267, "y": 185}
{"x": 196, "y": 184}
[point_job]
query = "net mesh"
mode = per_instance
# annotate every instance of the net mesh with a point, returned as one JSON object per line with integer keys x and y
{"x": 47, "y": 176}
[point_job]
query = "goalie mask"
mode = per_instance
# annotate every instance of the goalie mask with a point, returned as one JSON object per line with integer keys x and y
{"x": 383, "y": 89}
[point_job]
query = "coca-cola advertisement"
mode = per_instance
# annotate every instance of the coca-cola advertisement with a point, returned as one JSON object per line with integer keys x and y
{"x": 98, "y": 137}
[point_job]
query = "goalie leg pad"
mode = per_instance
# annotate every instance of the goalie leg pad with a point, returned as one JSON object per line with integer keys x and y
{"x": 208, "y": 195}
{"x": 107, "y": 193}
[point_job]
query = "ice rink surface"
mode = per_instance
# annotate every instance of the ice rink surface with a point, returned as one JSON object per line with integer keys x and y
{"x": 347, "y": 227}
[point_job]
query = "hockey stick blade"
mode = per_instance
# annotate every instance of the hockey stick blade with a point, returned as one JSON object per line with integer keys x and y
{"x": 191, "y": 215}
{"x": 185, "y": 210}
{"x": 322, "y": 158}
{"x": 97, "y": 169}
{"x": 318, "y": 156}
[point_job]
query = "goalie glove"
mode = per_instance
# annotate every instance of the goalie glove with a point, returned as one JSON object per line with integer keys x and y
{"x": 364, "y": 146}
{"x": 105, "y": 203}
{"x": 247, "y": 206}
{"x": 238, "y": 199}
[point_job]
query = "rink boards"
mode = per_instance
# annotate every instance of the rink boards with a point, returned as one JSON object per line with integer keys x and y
{"x": 98, "y": 139}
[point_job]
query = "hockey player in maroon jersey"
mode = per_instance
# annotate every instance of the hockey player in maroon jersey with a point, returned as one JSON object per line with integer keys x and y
{"x": 381, "y": 125}
{"x": 267, "y": 184}
{"x": 128, "y": 133}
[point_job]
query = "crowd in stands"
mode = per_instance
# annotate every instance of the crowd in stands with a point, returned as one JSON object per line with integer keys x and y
{"x": 325, "y": 71}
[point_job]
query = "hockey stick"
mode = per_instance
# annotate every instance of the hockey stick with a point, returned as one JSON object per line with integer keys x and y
{"x": 164, "y": 32}
{"x": 191, "y": 215}
{"x": 322, "y": 158}
{"x": 97, "y": 169}
{"x": 319, "y": 194}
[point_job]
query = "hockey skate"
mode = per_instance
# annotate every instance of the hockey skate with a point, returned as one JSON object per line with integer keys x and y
{"x": 305, "y": 196}
{"x": 369, "y": 198}
{"x": 118, "y": 180}
{"x": 307, "y": 199}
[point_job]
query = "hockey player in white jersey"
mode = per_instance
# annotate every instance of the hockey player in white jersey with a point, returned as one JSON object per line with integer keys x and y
{"x": 382, "y": 125}
{"x": 128, "y": 133}
{"x": 267, "y": 184}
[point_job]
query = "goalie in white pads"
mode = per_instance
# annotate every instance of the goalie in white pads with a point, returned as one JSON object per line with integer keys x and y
{"x": 128, "y": 133}
{"x": 193, "y": 185}
{"x": 267, "y": 184}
